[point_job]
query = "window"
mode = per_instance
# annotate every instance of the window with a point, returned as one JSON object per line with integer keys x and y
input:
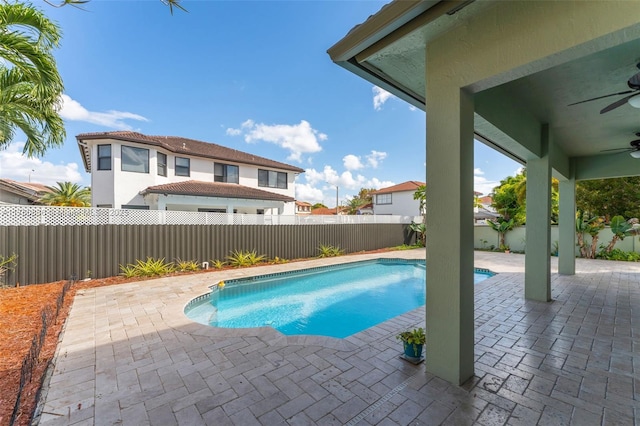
{"x": 135, "y": 159}
{"x": 134, "y": 207}
{"x": 225, "y": 173}
{"x": 272, "y": 179}
{"x": 182, "y": 166}
{"x": 383, "y": 198}
{"x": 104, "y": 157}
{"x": 162, "y": 164}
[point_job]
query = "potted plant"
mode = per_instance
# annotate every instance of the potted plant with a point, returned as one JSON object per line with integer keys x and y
{"x": 413, "y": 341}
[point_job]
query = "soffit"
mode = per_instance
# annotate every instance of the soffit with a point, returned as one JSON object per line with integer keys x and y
{"x": 579, "y": 130}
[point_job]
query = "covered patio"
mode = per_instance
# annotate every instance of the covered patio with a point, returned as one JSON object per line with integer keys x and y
{"x": 544, "y": 82}
{"x": 129, "y": 356}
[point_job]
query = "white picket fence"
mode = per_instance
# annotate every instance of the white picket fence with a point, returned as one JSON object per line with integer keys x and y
{"x": 16, "y": 215}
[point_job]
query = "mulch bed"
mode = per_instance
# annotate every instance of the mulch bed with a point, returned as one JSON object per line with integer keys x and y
{"x": 20, "y": 320}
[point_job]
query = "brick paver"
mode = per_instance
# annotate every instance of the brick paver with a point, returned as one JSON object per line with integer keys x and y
{"x": 129, "y": 356}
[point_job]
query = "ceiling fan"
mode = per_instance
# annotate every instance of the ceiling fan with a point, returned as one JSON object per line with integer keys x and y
{"x": 634, "y": 85}
{"x": 634, "y": 149}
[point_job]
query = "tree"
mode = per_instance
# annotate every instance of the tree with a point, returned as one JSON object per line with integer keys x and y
{"x": 30, "y": 85}
{"x": 78, "y": 3}
{"x": 354, "y": 204}
{"x": 502, "y": 226}
{"x": 318, "y": 206}
{"x": 510, "y": 198}
{"x": 620, "y": 229}
{"x": 67, "y": 194}
{"x": 609, "y": 197}
{"x": 591, "y": 226}
{"x": 365, "y": 194}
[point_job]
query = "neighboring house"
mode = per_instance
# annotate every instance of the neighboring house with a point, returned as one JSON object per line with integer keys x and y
{"x": 12, "y": 192}
{"x": 397, "y": 199}
{"x": 325, "y": 211}
{"x": 303, "y": 208}
{"x": 366, "y": 209}
{"x": 485, "y": 211}
{"x": 136, "y": 171}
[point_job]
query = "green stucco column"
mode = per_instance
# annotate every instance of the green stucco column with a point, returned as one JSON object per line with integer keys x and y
{"x": 449, "y": 324}
{"x": 567, "y": 227}
{"x": 537, "y": 276}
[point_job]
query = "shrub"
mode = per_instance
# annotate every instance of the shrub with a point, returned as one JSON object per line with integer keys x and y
{"x": 187, "y": 265}
{"x": 239, "y": 258}
{"x": 149, "y": 268}
{"x": 617, "y": 254}
{"x": 218, "y": 264}
{"x": 329, "y": 251}
{"x": 277, "y": 260}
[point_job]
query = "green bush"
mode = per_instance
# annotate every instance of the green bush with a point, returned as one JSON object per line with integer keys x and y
{"x": 617, "y": 254}
{"x": 149, "y": 268}
{"x": 329, "y": 251}
{"x": 218, "y": 264}
{"x": 239, "y": 258}
{"x": 187, "y": 265}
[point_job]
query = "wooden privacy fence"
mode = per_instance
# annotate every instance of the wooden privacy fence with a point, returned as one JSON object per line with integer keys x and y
{"x": 53, "y": 253}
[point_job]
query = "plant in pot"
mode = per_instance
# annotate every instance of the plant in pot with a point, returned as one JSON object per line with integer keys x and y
{"x": 413, "y": 341}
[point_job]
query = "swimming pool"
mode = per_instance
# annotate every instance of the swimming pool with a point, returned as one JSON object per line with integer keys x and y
{"x": 335, "y": 301}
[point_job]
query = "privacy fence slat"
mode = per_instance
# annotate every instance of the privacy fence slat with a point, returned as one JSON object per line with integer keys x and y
{"x": 53, "y": 253}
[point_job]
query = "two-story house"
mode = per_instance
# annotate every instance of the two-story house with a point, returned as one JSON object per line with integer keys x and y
{"x": 397, "y": 199}
{"x": 134, "y": 171}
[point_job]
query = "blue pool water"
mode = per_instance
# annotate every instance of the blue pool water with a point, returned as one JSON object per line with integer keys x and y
{"x": 335, "y": 301}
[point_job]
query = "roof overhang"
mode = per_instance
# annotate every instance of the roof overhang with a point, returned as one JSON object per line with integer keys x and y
{"x": 390, "y": 50}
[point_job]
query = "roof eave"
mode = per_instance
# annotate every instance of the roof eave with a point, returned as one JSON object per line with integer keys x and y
{"x": 388, "y": 19}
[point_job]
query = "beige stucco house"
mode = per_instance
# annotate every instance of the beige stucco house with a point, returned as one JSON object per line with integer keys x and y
{"x": 552, "y": 84}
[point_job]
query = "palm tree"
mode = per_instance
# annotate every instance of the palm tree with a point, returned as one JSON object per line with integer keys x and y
{"x": 30, "y": 85}
{"x": 67, "y": 194}
{"x": 354, "y": 204}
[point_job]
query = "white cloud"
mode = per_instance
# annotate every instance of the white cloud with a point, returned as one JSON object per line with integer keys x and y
{"x": 352, "y": 162}
{"x": 306, "y": 192}
{"x": 74, "y": 111}
{"x": 482, "y": 184}
{"x": 348, "y": 185}
{"x": 380, "y": 96}
{"x": 299, "y": 138}
{"x": 15, "y": 166}
{"x": 378, "y": 184}
{"x": 375, "y": 158}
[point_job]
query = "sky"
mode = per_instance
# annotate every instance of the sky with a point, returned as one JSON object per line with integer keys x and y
{"x": 249, "y": 75}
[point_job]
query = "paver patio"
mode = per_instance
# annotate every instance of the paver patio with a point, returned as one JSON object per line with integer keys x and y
{"x": 129, "y": 356}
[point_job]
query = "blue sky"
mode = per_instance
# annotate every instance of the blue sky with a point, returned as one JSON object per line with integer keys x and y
{"x": 250, "y": 75}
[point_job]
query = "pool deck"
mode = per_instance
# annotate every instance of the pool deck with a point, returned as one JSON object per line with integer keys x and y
{"x": 129, "y": 356}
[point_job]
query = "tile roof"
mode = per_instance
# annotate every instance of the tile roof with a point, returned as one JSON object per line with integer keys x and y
{"x": 184, "y": 146}
{"x": 410, "y": 185}
{"x": 29, "y": 190}
{"x": 215, "y": 189}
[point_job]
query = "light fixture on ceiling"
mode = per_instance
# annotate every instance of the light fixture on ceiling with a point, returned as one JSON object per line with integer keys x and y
{"x": 634, "y": 101}
{"x": 635, "y": 154}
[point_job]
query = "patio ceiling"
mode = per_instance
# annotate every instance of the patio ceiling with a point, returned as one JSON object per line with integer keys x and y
{"x": 393, "y": 57}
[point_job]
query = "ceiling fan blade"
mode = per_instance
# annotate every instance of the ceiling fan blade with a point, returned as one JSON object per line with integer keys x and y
{"x": 617, "y": 149}
{"x": 602, "y": 97}
{"x": 634, "y": 82}
{"x": 618, "y": 103}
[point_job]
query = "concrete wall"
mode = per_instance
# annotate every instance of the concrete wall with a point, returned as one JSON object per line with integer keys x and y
{"x": 516, "y": 239}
